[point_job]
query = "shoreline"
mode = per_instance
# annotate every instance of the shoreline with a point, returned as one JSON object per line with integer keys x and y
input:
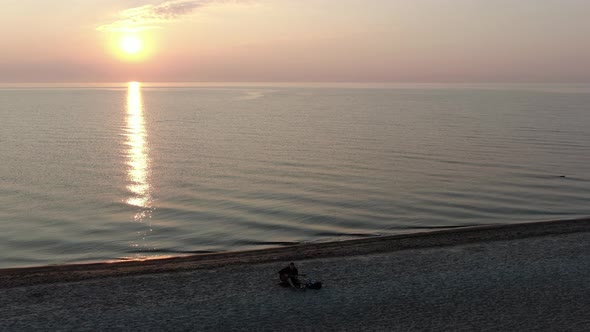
{"x": 18, "y": 277}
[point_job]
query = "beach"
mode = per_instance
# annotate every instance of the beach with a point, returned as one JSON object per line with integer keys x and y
{"x": 530, "y": 276}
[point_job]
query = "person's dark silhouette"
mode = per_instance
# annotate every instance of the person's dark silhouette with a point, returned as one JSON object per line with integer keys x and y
{"x": 289, "y": 275}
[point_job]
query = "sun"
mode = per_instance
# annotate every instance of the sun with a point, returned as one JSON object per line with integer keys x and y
{"x": 131, "y": 45}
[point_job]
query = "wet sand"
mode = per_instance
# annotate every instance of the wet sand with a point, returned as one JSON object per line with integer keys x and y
{"x": 526, "y": 276}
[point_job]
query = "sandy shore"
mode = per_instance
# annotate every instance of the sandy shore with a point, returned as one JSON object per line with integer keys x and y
{"x": 525, "y": 276}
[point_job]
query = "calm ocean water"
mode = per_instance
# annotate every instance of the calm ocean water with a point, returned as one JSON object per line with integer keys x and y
{"x": 134, "y": 171}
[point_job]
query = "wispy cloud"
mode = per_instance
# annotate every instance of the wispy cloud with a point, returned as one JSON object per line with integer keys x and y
{"x": 154, "y": 16}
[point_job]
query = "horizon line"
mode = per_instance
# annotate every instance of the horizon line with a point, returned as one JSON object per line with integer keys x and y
{"x": 42, "y": 83}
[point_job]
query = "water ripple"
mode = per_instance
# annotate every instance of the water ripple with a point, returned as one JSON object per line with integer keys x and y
{"x": 218, "y": 169}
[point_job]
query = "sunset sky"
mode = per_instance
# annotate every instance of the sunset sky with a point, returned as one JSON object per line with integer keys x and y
{"x": 295, "y": 41}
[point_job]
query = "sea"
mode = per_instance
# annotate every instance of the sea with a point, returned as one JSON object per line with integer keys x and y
{"x": 133, "y": 171}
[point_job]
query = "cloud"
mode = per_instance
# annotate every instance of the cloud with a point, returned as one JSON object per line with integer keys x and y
{"x": 155, "y": 15}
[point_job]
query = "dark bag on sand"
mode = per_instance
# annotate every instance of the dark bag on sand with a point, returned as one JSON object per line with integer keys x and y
{"x": 314, "y": 285}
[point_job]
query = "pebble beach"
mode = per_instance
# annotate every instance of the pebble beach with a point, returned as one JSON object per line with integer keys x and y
{"x": 529, "y": 276}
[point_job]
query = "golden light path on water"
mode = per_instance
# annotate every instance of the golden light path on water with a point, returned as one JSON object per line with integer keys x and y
{"x": 137, "y": 154}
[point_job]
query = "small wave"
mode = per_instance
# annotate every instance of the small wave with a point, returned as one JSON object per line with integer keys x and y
{"x": 337, "y": 234}
{"x": 411, "y": 228}
{"x": 169, "y": 251}
{"x": 267, "y": 243}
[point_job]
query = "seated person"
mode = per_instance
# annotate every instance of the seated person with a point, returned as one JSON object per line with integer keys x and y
{"x": 288, "y": 276}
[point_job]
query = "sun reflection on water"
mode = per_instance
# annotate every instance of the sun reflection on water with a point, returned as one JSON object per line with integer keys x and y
{"x": 137, "y": 154}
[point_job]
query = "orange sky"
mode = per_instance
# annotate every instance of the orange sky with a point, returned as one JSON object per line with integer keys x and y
{"x": 296, "y": 40}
